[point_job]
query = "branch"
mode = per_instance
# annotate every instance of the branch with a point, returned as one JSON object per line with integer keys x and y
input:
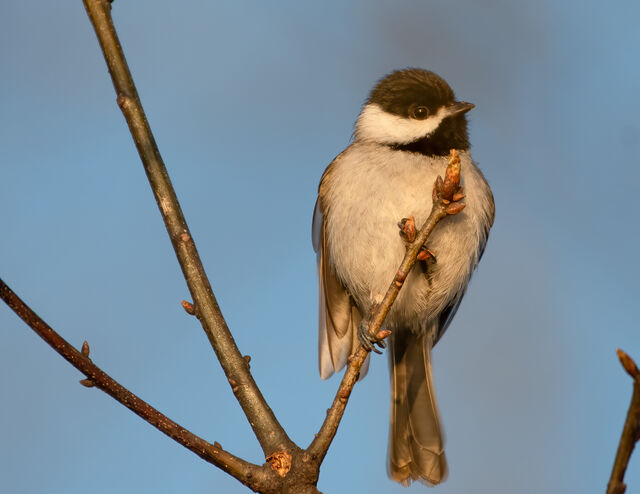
{"x": 251, "y": 475}
{"x": 446, "y": 195}
{"x": 266, "y": 427}
{"x": 288, "y": 468}
{"x": 630, "y": 431}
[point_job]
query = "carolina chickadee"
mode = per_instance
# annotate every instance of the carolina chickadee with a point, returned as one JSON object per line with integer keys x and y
{"x": 402, "y": 140}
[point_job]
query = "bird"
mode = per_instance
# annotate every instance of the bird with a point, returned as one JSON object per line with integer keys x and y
{"x": 400, "y": 144}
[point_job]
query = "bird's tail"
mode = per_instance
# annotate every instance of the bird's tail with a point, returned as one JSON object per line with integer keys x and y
{"x": 416, "y": 443}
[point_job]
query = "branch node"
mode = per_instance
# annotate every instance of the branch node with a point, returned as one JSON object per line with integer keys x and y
{"x": 343, "y": 395}
{"x": 280, "y": 462}
{"x": 247, "y": 359}
{"x": 425, "y": 254}
{"x": 123, "y": 101}
{"x": 618, "y": 488}
{"x": 189, "y": 308}
{"x": 87, "y": 383}
{"x": 234, "y": 384}
{"x": 85, "y": 349}
{"x": 407, "y": 229}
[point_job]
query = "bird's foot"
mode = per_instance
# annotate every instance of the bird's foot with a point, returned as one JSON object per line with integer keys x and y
{"x": 367, "y": 341}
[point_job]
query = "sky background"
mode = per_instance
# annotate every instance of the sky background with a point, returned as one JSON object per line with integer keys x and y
{"x": 249, "y": 102}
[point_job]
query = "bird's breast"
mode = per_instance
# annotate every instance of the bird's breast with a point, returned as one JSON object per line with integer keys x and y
{"x": 370, "y": 189}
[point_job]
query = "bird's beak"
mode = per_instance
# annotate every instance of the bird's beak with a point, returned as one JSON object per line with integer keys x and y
{"x": 460, "y": 107}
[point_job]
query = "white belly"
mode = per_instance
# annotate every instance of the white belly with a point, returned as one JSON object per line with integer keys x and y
{"x": 373, "y": 187}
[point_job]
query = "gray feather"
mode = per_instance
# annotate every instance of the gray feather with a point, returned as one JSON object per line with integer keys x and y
{"x": 339, "y": 316}
{"x": 416, "y": 439}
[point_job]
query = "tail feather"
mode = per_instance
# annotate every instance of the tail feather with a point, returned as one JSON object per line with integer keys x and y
{"x": 416, "y": 442}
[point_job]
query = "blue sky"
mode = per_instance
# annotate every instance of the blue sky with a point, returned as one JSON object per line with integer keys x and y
{"x": 249, "y": 102}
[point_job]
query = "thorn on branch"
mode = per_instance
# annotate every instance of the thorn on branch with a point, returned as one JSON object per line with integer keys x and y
{"x": 628, "y": 364}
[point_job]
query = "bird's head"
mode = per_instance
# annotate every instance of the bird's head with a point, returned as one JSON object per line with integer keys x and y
{"x": 414, "y": 110}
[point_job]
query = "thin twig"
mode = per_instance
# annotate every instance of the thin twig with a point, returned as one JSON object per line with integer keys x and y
{"x": 269, "y": 432}
{"x": 630, "y": 431}
{"x": 443, "y": 205}
{"x": 253, "y": 476}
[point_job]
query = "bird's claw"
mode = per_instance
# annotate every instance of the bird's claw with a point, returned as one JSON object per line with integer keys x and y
{"x": 367, "y": 341}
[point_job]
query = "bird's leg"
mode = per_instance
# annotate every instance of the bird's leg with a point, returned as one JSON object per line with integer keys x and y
{"x": 366, "y": 340}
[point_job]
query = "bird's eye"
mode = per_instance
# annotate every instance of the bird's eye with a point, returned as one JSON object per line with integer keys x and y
{"x": 419, "y": 112}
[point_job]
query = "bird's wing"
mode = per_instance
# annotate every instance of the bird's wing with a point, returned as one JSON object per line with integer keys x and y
{"x": 446, "y": 316}
{"x": 339, "y": 315}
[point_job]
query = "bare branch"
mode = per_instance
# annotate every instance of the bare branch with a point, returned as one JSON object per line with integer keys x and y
{"x": 253, "y": 476}
{"x": 443, "y": 205}
{"x": 630, "y": 431}
{"x": 288, "y": 468}
{"x": 266, "y": 427}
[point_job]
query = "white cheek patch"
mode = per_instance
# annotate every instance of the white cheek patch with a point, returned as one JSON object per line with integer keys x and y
{"x": 376, "y": 125}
